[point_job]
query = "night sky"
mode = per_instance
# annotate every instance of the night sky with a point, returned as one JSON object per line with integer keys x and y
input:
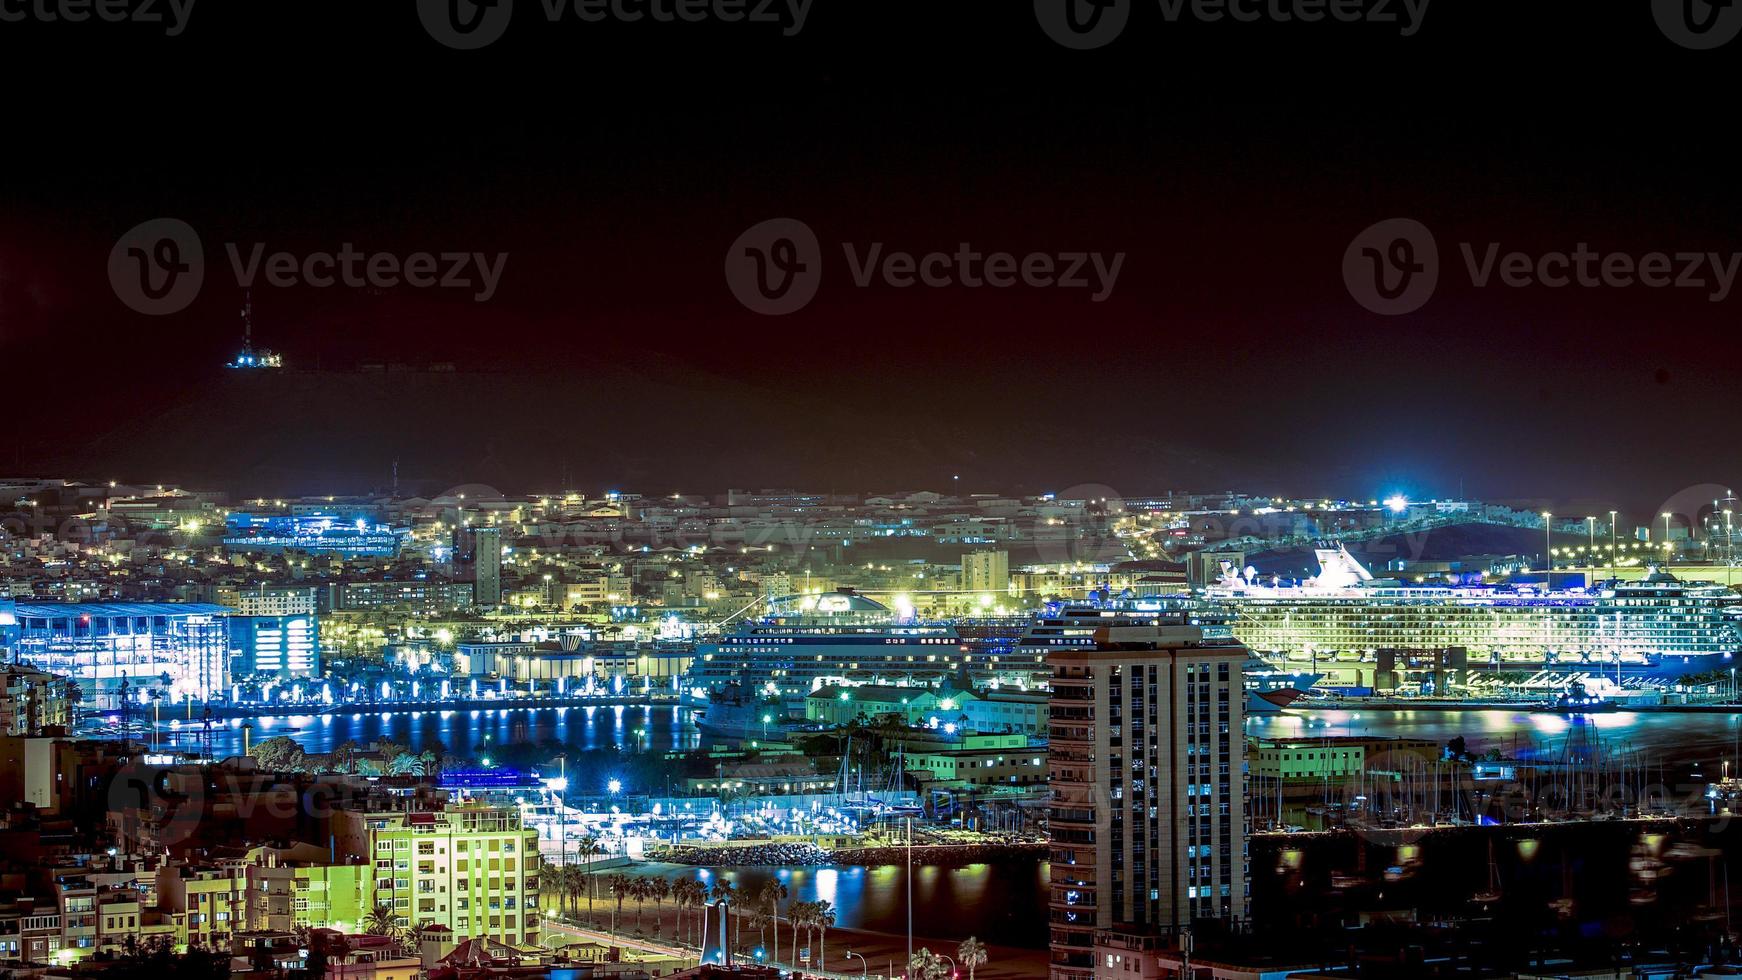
{"x": 615, "y": 164}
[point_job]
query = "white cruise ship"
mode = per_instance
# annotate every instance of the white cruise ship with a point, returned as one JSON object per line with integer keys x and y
{"x": 1338, "y": 621}
{"x": 1269, "y": 688}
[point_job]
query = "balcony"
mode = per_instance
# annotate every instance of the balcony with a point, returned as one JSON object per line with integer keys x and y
{"x": 1060, "y": 815}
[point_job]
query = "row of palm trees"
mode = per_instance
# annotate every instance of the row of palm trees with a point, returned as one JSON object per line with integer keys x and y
{"x": 927, "y": 965}
{"x": 761, "y": 911}
{"x": 567, "y": 883}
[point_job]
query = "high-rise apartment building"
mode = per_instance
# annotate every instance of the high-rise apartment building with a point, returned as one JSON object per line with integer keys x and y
{"x": 487, "y": 564}
{"x": 986, "y": 571}
{"x": 1147, "y": 766}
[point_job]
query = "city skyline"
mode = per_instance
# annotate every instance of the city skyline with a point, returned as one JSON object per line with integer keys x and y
{"x": 914, "y": 490}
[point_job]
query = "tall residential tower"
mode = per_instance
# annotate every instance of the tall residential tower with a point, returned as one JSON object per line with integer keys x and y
{"x": 1147, "y": 767}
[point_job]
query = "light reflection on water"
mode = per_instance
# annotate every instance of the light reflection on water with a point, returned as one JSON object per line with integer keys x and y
{"x": 1665, "y": 736}
{"x": 1673, "y": 737}
{"x": 465, "y": 732}
{"x": 1003, "y": 904}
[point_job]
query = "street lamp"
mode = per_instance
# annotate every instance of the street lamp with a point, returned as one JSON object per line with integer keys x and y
{"x": 1591, "y": 525}
{"x": 1666, "y": 551}
{"x": 864, "y": 968}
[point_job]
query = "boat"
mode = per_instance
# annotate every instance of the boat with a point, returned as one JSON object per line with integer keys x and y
{"x": 1492, "y": 893}
{"x": 845, "y": 638}
{"x": 1576, "y": 701}
{"x": 732, "y": 713}
{"x": 1269, "y": 688}
{"x": 1340, "y": 620}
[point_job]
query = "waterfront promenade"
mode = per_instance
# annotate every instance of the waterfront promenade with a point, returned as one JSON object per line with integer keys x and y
{"x": 877, "y": 954}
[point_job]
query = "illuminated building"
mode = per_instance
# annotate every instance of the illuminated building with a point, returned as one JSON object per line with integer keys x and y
{"x": 418, "y": 595}
{"x": 986, "y": 571}
{"x": 100, "y": 644}
{"x": 30, "y": 700}
{"x": 315, "y": 534}
{"x": 267, "y": 600}
{"x": 472, "y": 868}
{"x": 1147, "y": 766}
{"x": 487, "y": 565}
{"x": 288, "y": 646}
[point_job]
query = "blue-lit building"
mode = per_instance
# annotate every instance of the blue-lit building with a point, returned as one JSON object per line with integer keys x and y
{"x": 100, "y": 644}
{"x": 314, "y": 532}
{"x": 288, "y": 646}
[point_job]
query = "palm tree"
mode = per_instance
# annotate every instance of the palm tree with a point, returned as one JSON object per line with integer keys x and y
{"x": 619, "y": 885}
{"x": 573, "y": 884}
{"x": 971, "y": 953}
{"x": 680, "y": 896}
{"x": 588, "y": 847}
{"x": 639, "y": 889}
{"x": 796, "y": 913}
{"x": 380, "y": 921}
{"x": 699, "y": 899}
{"x": 927, "y": 965}
{"x": 698, "y": 891}
{"x": 770, "y": 895}
{"x": 659, "y": 890}
{"x": 822, "y": 916}
{"x": 551, "y": 881}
